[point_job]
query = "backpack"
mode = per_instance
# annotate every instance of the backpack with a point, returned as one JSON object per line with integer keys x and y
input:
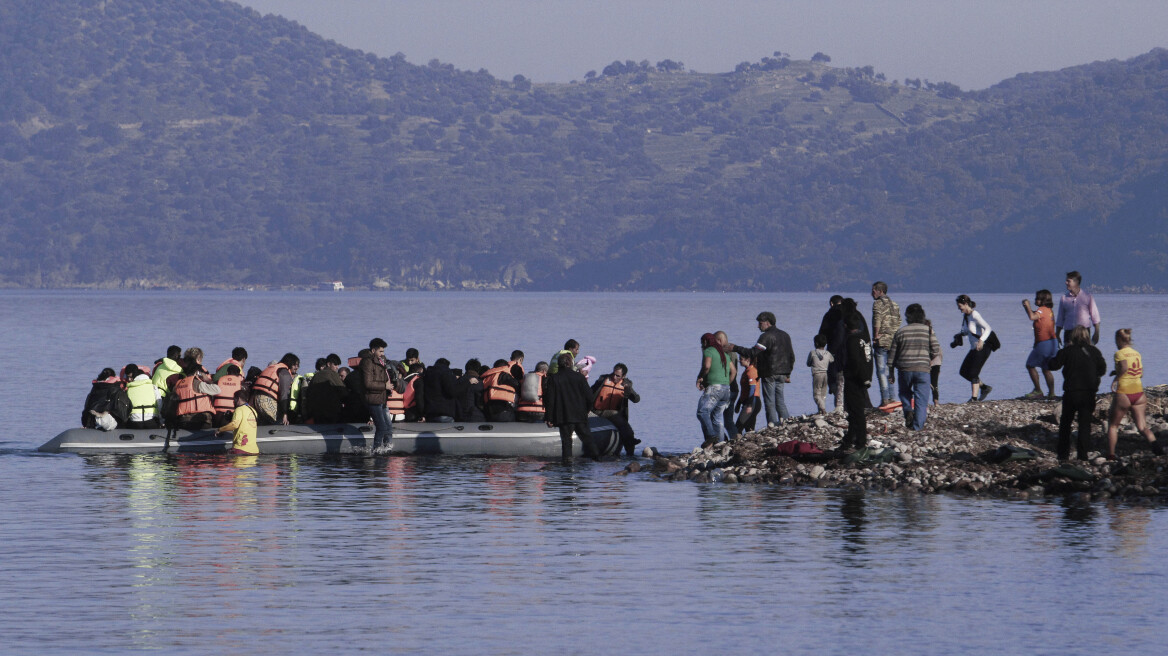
{"x": 169, "y": 410}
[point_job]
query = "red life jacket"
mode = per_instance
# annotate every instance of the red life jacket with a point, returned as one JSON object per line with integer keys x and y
{"x": 122, "y": 374}
{"x": 493, "y": 390}
{"x": 398, "y": 403}
{"x": 268, "y": 382}
{"x": 610, "y": 396}
{"x": 190, "y": 402}
{"x": 355, "y": 362}
{"x": 536, "y": 405}
{"x": 228, "y": 385}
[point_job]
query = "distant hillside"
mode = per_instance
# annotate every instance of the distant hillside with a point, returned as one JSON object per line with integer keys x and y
{"x": 164, "y": 142}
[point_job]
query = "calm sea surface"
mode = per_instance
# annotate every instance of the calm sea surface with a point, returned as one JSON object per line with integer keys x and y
{"x": 299, "y": 554}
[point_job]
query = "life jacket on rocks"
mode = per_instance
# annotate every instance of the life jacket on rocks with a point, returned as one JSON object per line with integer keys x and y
{"x": 268, "y": 382}
{"x": 531, "y": 398}
{"x": 142, "y": 399}
{"x": 229, "y": 384}
{"x": 609, "y": 396}
{"x": 190, "y": 402}
{"x": 493, "y": 390}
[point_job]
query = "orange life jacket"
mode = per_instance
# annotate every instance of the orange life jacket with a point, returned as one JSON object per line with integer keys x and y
{"x": 268, "y": 382}
{"x": 398, "y": 403}
{"x": 536, "y": 405}
{"x": 228, "y": 385}
{"x": 493, "y": 390}
{"x": 355, "y": 362}
{"x": 190, "y": 402}
{"x": 122, "y": 374}
{"x": 610, "y": 396}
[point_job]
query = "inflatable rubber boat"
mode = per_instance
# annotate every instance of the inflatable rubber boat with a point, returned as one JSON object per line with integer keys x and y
{"x": 505, "y": 439}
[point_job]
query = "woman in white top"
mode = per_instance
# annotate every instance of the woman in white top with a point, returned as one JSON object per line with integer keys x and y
{"x": 979, "y": 333}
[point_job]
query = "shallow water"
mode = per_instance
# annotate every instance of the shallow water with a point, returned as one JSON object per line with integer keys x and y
{"x": 513, "y": 556}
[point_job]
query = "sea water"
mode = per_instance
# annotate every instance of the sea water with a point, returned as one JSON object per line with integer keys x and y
{"x": 297, "y": 554}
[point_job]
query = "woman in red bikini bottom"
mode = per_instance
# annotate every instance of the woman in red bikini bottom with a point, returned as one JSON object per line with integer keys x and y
{"x": 1128, "y": 394}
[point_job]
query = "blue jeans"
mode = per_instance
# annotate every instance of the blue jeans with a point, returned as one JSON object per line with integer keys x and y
{"x": 880, "y": 366}
{"x": 772, "y": 398}
{"x": 715, "y": 399}
{"x": 384, "y": 424}
{"x": 915, "y": 387}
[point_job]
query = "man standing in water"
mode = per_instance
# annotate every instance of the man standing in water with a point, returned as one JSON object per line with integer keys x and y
{"x": 567, "y": 400}
{"x": 774, "y": 358}
{"x": 1076, "y": 308}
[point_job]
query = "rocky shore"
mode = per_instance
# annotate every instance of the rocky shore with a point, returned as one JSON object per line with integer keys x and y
{"x": 996, "y": 448}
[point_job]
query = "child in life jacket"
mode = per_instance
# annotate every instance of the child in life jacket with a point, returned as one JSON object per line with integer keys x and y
{"x": 243, "y": 423}
{"x": 749, "y": 396}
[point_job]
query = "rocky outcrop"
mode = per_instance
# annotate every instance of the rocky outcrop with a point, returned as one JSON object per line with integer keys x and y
{"x": 999, "y": 448}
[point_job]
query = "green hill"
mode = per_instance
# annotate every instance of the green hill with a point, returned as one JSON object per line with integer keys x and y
{"x": 197, "y": 142}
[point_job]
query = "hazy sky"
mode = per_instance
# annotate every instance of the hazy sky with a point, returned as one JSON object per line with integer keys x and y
{"x": 972, "y": 43}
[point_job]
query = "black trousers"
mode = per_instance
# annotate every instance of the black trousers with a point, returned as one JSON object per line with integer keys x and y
{"x": 855, "y": 398}
{"x": 972, "y": 364}
{"x": 581, "y": 430}
{"x": 1081, "y": 405}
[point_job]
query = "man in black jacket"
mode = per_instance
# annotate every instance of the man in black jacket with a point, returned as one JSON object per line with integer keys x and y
{"x": 857, "y": 380}
{"x": 1083, "y": 366}
{"x": 568, "y": 399}
{"x": 438, "y": 389}
{"x": 773, "y": 358}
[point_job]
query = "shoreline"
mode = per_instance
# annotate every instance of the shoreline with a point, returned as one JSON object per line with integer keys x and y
{"x": 956, "y": 452}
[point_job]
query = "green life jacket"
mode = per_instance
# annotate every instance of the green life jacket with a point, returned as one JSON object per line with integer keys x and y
{"x": 164, "y": 370}
{"x": 142, "y": 399}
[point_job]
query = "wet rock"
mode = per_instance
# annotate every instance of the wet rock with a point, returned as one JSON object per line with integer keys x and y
{"x": 649, "y": 452}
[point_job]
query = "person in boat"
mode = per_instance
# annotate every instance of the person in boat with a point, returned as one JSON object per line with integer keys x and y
{"x": 612, "y": 394}
{"x": 224, "y": 402}
{"x": 410, "y": 404}
{"x": 438, "y": 390}
{"x": 516, "y": 362}
{"x": 376, "y": 380}
{"x": 413, "y": 357}
{"x": 327, "y": 392}
{"x": 468, "y": 393}
{"x": 571, "y": 348}
{"x": 144, "y": 399}
{"x": 568, "y": 400}
{"x": 195, "y": 393}
{"x": 500, "y": 390}
{"x": 529, "y": 408}
{"x": 107, "y": 405}
{"x": 244, "y": 426}
{"x": 238, "y": 358}
{"x": 272, "y": 391}
{"x": 166, "y": 367}
{"x": 910, "y": 356}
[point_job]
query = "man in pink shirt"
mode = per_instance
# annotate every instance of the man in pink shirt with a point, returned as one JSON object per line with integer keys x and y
{"x": 1076, "y": 308}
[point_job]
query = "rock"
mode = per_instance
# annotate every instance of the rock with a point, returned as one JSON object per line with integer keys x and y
{"x": 821, "y": 424}
{"x": 817, "y": 472}
{"x": 649, "y": 452}
{"x": 633, "y": 467}
{"x": 729, "y": 478}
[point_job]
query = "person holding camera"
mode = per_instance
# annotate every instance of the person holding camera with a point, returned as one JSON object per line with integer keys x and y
{"x": 982, "y": 342}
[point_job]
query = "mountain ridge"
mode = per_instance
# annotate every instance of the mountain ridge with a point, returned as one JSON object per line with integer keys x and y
{"x": 160, "y": 144}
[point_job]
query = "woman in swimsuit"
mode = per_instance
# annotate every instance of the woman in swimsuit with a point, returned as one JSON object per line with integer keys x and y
{"x": 1128, "y": 393}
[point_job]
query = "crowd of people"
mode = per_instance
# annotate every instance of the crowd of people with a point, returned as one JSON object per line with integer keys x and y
{"x": 178, "y": 392}
{"x": 847, "y": 356}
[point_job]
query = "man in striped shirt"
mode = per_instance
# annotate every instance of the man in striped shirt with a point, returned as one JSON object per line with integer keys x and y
{"x": 913, "y": 348}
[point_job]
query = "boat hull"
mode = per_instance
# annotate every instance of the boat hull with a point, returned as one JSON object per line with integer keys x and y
{"x": 503, "y": 439}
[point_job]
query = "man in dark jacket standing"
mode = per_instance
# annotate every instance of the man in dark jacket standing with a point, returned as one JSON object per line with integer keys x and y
{"x": 438, "y": 388}
{"x": 568, "y": 399}
{"x": 774, "y": 358}
{"x": 375, "y": 378}
{"x": 857, "y": 380}
{"x": 1083, "y": 366}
